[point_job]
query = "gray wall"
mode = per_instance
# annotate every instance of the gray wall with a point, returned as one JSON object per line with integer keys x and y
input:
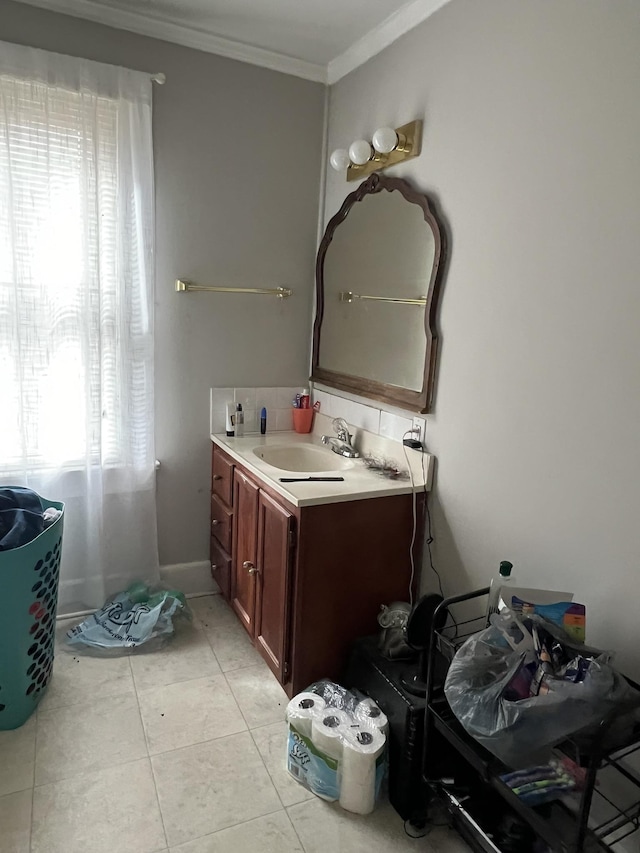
{"x": 532, "y": 122}
{"x": 237, "y": 162}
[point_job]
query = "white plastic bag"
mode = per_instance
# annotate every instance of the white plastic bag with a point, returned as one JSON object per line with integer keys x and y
{"x": 129, "y": 620}
{"x": 483, "y": 669}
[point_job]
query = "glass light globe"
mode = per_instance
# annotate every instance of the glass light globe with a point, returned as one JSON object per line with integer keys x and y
{"x": 360, "y": 152}
{"x": 340, "y": 159}
{"x": 385, "y": 140}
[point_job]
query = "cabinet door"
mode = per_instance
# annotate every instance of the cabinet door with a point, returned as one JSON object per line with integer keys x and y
{"x": 244, "y": 570}
{"x": 221, "y": 522}
{"x": 220, "y": 567}
{"x": 222, "y": 476}
{"x": 275, "y": 546}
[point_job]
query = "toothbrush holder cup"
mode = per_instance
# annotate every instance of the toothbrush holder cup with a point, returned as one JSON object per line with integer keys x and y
{"x": 303, "y": 420}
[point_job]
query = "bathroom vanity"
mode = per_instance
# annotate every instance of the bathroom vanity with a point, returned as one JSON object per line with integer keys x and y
{"x": 307, "y": 565}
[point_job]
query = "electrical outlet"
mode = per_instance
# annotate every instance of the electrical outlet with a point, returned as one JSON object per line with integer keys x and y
{"x": 419, "y": 429}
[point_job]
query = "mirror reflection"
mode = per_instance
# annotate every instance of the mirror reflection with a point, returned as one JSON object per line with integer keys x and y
{"x": 378, "y": 275}
{"x": 382, "y": 251}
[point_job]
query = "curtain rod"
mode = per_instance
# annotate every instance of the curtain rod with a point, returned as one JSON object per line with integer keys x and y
{"x": 159, "y": 78}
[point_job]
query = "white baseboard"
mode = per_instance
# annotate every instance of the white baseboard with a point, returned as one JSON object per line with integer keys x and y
{"x": 189, "y": 578}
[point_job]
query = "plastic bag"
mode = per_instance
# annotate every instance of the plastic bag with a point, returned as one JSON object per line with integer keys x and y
{"x": 336, "y": 745}
{"x": 134, "y": 618}
{"x": 486, "y": 670}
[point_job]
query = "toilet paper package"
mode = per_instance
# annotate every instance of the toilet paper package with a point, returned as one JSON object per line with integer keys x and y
{"x": 336, "y": 745}
{"x": 368, "y": 712}
{"x": 361, "y": 769}
{"x": 302, "y": 709}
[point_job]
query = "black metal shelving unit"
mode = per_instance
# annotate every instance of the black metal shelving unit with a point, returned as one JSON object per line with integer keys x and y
{"x": 589, "y": 822}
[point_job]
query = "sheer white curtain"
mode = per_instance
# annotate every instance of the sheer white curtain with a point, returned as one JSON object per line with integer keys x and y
{"x": 76, "y": 309}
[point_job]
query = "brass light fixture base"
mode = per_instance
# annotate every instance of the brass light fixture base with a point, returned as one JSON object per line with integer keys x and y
{"x": 409, "y": 145}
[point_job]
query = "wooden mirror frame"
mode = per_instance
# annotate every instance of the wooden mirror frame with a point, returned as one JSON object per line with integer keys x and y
{"x": 405, "y": 398}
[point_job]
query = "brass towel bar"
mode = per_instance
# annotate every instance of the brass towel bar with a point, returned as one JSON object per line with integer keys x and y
{"x": 347, "y": 296}
{"x": 187, "y": 286}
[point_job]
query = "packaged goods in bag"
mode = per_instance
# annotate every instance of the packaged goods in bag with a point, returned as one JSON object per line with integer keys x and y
{"x": 336, "y": 745}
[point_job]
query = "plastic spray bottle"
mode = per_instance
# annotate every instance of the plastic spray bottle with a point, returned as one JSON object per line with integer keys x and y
{"x": 497, "y": 582}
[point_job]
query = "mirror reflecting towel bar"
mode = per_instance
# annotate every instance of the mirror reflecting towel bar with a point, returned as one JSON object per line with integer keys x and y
{"x": 186, "y": 286}
{"x": 347, "y": 296}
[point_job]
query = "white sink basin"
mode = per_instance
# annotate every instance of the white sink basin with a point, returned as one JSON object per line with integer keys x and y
{"x": 302, "y": 457}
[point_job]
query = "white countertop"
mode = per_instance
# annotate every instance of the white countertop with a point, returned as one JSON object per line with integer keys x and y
{"x": 359, "y": 482}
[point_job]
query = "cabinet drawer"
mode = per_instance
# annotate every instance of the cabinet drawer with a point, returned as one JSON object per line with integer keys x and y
{"x": 221, "y": 522}
{"x": 222, "y": 477}
{"x": 220, "y": 567}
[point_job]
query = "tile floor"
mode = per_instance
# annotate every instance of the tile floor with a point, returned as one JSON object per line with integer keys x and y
{"x": 181, "y": 750}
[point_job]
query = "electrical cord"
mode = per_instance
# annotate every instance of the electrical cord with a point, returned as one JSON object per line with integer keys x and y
{"x": 429, "y": 537}
{"x": 416, "y": 832}
{"x": 415, "y": 519}
{"x": 429, "y": 540}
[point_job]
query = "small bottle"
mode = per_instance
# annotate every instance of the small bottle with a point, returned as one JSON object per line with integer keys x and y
{"x": 239, "y": 425}
{"x": 503, "y": 577}
{"x": 229, "y": 419}
{"x": 263, "y": 421}
{"x": 304, "y": 399}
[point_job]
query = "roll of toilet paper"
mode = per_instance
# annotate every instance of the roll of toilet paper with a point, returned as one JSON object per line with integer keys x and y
{"x": 362, "y": 748}
{"x": 369, "y": 713}
{"x": 302, "y": 709}
{"x": 328, "y": 731}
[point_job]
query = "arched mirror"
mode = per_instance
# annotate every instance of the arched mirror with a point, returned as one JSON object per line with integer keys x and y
{"x": 378, "y": 275}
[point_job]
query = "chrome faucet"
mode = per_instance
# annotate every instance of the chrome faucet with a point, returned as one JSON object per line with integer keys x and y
{"x": 342, "y": 444}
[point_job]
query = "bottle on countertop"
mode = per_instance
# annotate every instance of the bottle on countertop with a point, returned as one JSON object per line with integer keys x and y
{"x": 229, "y": 419}
{"x": 263, "y": 420}
{"x": 305, "y": 402}
{"x": 503, "y": 577}
{"x": 239, "y": 421}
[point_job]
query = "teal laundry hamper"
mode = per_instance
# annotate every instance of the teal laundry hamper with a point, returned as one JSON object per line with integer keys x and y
{"x": 29, "y": 589}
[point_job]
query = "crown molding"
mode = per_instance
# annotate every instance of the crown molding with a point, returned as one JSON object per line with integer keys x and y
{"x": 382, "y": 36}
{"x": 160, "y": 28}
{"x": 153, "y": 25}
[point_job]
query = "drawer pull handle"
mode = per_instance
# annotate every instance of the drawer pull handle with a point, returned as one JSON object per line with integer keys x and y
{"x": 214, "y": 566}
{"x": 217, "y": 476}
{"x": 215, "y": 521}
{"x": 250, "y": 567}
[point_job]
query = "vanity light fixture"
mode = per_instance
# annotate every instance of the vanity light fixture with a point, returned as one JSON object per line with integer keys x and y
{"x": 388, "y": 147}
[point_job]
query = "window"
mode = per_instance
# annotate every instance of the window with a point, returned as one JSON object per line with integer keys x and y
{"x": 74, "y": 330}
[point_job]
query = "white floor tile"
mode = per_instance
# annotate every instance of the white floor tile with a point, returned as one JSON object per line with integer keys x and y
{"x": 323, "y": 826}
{"x": 206, "y": 784}
{"x": 188, "y": 655}
{"x": 81, "y": 678}
{"x": 110, "y": 810}
{"x": 212, "y": 786}
{"x": 259, "y": 695}
{"x": 229, "y": 640}
{"x": 232, "y": 647}
{"x": 271, "y": 834}
{"x": 17, "y": 758}
{"x": 189, "y": 712}
{"x": 212, "y": 611}
{"x": 80, "y": 738}
{"x": 272, "y": 744}
{"x": 15, "y": 822}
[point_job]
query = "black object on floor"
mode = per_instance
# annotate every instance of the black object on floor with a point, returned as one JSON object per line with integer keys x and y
{"x": 381, "y": 679}
{"x": 419, "y": 632}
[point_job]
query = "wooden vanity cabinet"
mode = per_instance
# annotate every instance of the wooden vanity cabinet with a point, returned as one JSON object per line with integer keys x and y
{"x": 305, "y": 582}
{"x": 222, "y": 468}
{"x": 245, "y": 551}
